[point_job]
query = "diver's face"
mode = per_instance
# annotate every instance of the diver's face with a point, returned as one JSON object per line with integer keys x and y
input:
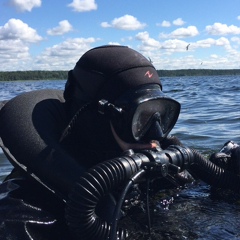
{"x": 143, "y": 114}
{"x": 126, "y": 146}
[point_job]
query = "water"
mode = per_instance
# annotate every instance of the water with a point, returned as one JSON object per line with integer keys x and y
{"x": 210, "y": 112}
{"x": 210, "y": 116}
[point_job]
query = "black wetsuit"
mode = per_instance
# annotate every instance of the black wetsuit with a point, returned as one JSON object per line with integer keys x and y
{"x": 31, "y": 125}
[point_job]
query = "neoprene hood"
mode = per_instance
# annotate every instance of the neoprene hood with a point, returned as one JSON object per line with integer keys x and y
{"x": 109, "y": 71}
{"x": 120, "y": 78}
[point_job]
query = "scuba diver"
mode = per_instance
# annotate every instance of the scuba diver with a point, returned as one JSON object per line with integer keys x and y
{"x": 112, "y": 107}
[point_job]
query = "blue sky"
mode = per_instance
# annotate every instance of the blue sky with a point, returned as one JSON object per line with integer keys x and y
{"x": 52, "y": 35}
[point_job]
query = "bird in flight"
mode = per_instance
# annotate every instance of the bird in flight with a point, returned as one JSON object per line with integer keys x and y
{"x": 150, "y": 60}
{"x": 187, "y": 46}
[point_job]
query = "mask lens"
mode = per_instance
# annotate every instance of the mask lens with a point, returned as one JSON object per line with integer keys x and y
{"x": 165, "y": 111}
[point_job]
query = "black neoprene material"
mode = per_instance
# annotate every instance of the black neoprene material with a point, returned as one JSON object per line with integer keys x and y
{"x": 108, "y": 71}
{"x": 30, "y": 212}
{"x": 32, "y": 124}
{"x": 30, "y": 127}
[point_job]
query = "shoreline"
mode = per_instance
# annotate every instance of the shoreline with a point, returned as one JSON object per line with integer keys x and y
{"x": 62, "y": 75}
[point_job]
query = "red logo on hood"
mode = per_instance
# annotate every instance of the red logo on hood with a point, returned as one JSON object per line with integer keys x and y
{"x": 149, "y": 74}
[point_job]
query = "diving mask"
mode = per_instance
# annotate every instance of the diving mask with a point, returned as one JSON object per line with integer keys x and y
{"x": 142, "y": 115}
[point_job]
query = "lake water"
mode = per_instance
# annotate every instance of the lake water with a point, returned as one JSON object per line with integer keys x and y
{"x": 210, "y": 116}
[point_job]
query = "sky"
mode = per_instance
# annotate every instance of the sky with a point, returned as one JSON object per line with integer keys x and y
{"x": 172, "y": 34}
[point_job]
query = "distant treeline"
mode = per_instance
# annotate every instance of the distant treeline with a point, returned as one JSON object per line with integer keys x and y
{"x": 197, "y": 72}
{"x": 33, "y": 75}
{"x": 62, "y": 75}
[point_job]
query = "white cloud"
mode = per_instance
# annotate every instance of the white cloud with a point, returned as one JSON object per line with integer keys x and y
{"x": 114, "y": 43}
{"x": 14, "y": 55}
{"x": 174, "y": 45}
{"x": 222, "y": 41}
{"x": 12, "y": 49}
{"x": 16, "y": 29}
{"x": 148, "y": 42}
{"x": 190, "y": 31}
{"x": 63, "y": 27}
{"x": 149, "y": 47}
{"x": 83, "y": 5}
{"x": 178, "y": 22}
{"x": 64, "y": 56}
{"x": 164, "y": 24}
{"x": 236, "y": 39}
{"x": 222, "y": 29}
{"x": 25, "y": 5}
{"x": 163, "y": 53}
{"x": 105, "y": 25}
{"x": 126, "y": 22}
{"x": 238, "y": 17}
{"x": 209, "y": 42}
{"x": 205, "y": 43}
{"x": 15, "y": 38}
{"x": 155, "y": 50}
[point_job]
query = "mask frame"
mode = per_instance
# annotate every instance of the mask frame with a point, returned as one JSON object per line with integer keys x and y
{"x": 134, "y": 113}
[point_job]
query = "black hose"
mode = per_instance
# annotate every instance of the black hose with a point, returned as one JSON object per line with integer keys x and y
{"x": 90, "y": 189}
{"x": 117, "y": 211}
{"x": 212, "y": 174}
{"x": 95, "y": 184}
{"x": 200, "y": 167}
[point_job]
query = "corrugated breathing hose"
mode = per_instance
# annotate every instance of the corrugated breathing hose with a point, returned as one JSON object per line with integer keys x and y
{"x": 102, "y": 179}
